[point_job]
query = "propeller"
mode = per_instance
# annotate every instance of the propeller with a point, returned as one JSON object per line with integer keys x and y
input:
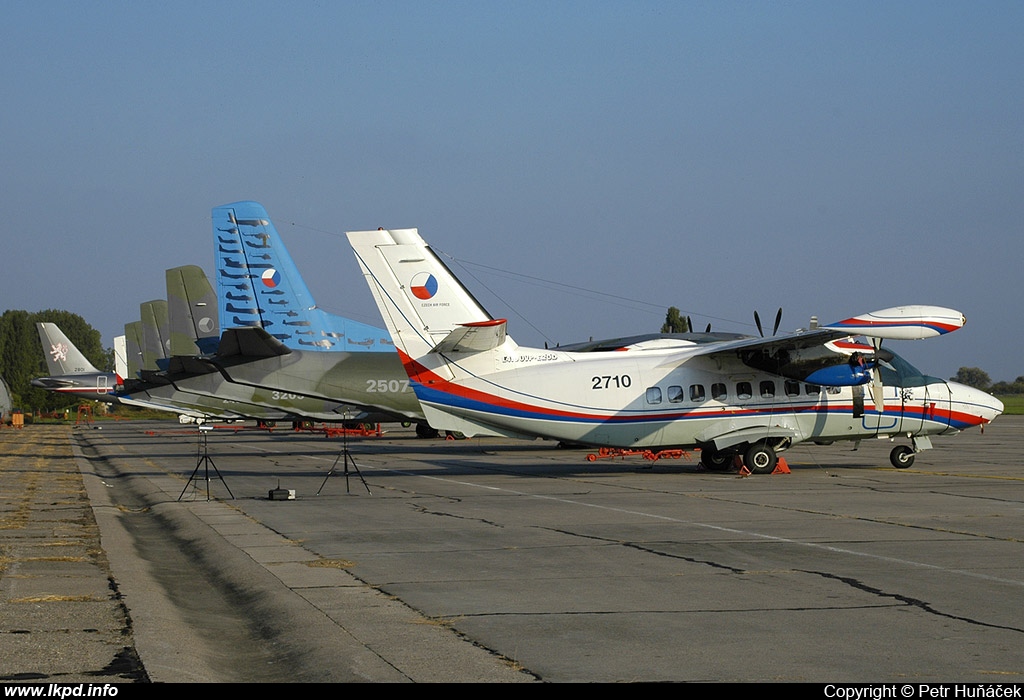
{"x": 876, "y": 377}
{"x": 775, "y": 329}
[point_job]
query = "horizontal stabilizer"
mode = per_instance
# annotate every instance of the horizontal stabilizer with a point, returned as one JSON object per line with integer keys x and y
{"x": 474, "y": 337}
{"x": 252, "y": 343}
{"x": 190, "y": 366}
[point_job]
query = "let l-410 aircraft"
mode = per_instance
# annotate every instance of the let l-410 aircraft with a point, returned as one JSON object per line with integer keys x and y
{"x": 728, "y": 395}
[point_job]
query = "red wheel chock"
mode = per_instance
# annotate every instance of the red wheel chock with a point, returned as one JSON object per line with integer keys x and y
{"x": 780, "y": 467}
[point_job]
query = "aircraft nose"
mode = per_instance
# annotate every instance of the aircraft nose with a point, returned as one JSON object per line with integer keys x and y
{"x": 976, "y": 402}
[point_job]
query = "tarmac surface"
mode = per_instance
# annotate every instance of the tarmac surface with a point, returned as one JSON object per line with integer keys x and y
{"x": 129, "y": 552}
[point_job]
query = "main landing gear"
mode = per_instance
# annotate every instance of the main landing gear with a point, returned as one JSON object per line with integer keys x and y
{"x": 759, "y": 458}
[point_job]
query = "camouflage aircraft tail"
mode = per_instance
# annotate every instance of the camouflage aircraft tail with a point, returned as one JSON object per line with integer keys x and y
{"x": 258, "y": 285}
{"x": 155, "y": 340}
{"x": 133, "y": 349}
{"x": 192, "y": 312}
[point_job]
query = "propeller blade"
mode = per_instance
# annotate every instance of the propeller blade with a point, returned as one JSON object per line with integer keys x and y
{"x": 876, "y": 377}
{"x": 757, "y": 321}
{"x": 708, "y": 329}
{"x": 778, "y": 320}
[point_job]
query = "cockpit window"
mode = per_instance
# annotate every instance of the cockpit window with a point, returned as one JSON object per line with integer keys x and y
{"x": 899, "y": 372}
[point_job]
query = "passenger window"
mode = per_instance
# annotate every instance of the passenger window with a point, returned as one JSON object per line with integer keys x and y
{"x": 767, "y": 390}
{"x": 675, "y": 394}
{"x": 697, "y": 392}
{"x": 718, "y": 392}
{"x": 833, "y": 390}
{"x": 792, "y": 388}
{"x": 654, "y": 395}
{"x": 812, "y": 389}
{"x": 743, "y": 391}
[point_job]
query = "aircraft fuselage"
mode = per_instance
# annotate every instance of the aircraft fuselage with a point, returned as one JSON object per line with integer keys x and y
{"x": 654, "y": 399}
{"x": 327, "y": 383}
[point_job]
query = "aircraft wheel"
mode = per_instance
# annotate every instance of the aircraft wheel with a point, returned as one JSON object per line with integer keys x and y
{"x": 715, "y": 460}
{"x": 425, "y": 431}
{"x": 901, "y": 456}
{"x": 760, "y": 458}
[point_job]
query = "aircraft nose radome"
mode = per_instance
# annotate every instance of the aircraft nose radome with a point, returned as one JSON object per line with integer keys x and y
{"x": 980, "y": 403}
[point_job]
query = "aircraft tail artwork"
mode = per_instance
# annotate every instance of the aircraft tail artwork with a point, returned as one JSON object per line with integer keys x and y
{"x": 259, "y": 285}
{"x": 62, "y": 357}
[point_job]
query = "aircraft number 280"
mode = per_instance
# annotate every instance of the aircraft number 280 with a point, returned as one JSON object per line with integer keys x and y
{"x": 385, "y": 386}
{"x": 614, "y": 381}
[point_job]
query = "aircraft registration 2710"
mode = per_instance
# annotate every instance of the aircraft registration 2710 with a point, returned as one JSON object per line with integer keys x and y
{"x": 728, "y": 395}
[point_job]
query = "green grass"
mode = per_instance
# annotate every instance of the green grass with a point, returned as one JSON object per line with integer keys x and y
{"x": 1014, "y": 404}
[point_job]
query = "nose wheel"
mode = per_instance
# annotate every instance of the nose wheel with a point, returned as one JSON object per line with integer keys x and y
{"x": 901, "y": 456}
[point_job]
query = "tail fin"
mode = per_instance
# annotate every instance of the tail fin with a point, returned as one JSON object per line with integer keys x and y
{"x": 155, "y": 343}
{"x": 421, "y": 301}
{"x": 120, "y": 357}
{"x": 133, "y": 349}
{"x": 191, "y": 312}
{"x": 259, "y": 285}
{"x": 62, "y": 357}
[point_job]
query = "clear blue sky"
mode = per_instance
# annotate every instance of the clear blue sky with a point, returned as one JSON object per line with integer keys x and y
{"x": 829, "y": 158}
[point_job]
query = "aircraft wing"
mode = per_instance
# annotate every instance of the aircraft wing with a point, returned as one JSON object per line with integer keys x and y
{"x": 805, "y": 356}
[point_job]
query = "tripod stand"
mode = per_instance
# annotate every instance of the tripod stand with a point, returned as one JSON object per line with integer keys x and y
{"x": 348, "y": 459}
{"x": 204, "y": 459}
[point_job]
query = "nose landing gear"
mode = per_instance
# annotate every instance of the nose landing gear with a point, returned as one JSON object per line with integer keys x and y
{"x": 902, "y": 456}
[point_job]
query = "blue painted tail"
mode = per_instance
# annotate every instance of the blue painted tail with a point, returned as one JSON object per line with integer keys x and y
{"x": 258, "y": 285}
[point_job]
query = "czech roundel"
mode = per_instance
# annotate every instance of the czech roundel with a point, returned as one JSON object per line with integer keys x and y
{"x": 271, "y": 278}
{"x": 423, "y": 285}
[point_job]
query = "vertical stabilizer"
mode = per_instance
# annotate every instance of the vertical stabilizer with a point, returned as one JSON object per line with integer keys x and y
{"x": 133, "y": 348}
{"x": 192, "y": 312}
{"x": 421, "y": 301}
{"x": 62, "y": 357}
{"x": 120, "y": 357}
{"x": 155, "y": 343}
{"x": 259, "y": 285}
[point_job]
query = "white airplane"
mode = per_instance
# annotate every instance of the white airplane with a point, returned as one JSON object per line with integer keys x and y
{"x": 728, "y": 395}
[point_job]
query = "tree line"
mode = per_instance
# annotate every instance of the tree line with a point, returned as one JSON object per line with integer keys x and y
{"x": 22, "y": 358}
{"x": 979, "y": 379}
